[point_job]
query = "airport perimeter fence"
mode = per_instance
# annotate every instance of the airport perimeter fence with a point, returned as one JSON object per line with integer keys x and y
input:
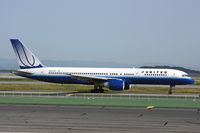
{"x": 110, "y": 96}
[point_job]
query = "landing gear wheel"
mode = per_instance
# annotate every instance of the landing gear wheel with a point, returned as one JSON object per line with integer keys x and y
{"x": 94, "y": 91}
{"x": 170, "y": 89}
{"x": 97, "y": 89}
{"x": 101, "y": 90}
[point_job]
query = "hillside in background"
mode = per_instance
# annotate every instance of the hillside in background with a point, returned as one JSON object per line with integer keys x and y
{"x": 189, "y": 71}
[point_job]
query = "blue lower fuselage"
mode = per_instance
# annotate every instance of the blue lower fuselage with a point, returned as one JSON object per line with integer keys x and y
{"x": 68, "y": 79}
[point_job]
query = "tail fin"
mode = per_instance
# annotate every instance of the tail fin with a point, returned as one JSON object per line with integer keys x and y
{"x": 25, "y": 57}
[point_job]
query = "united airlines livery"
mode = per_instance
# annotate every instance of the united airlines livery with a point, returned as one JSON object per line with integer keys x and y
{"x": 112, "y": 78}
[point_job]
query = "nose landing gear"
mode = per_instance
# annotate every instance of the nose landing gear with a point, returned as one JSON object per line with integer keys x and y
{"x": 170, "y": 89}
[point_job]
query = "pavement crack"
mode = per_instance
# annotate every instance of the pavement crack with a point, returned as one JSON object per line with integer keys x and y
{"x": 165, "y": 123}
{"x": 83, "y": 114}
{"x": 140, "y": 115}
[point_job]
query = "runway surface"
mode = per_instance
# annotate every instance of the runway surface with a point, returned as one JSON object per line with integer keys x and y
{"x": 96, "y": 119}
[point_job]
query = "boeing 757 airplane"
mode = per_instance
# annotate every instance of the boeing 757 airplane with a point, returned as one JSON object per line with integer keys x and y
{"x": 112, "y": 78}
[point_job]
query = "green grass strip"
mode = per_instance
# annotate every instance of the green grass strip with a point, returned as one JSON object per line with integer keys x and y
{"x": 17, "y": 79}
{"x": 104, "y": 101}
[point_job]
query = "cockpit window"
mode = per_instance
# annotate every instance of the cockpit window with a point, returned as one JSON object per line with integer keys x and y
{"x": 184, "y": 75}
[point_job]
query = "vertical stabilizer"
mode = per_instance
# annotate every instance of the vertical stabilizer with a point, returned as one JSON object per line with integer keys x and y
{"x": 25, "y": 57}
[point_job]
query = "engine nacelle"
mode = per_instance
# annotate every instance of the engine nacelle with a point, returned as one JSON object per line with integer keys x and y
{"x": 115, "y": 84}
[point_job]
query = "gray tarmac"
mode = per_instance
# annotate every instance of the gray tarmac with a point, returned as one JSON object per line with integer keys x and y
{"x": 97, "y": 119}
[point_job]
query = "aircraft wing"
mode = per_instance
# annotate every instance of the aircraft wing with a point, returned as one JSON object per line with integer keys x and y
{"x": 90, "y": 78}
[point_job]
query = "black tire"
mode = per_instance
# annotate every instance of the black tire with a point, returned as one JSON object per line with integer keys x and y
{"x": 101, "y": 90}
{"x": 97, "y": 91}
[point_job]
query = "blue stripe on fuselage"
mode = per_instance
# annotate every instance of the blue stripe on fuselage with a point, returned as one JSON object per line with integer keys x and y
{"x": 68, "y": 79}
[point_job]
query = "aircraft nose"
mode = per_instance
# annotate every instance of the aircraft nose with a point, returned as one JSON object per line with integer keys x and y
{"x": 191, "y": 80}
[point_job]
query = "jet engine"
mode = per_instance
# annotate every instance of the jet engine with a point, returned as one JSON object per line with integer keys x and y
{"x": 115, "y": 84}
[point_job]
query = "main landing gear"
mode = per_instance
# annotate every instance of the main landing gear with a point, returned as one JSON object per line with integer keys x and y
{"x": 170, "y": 89}
{"x": 97, "y": 89}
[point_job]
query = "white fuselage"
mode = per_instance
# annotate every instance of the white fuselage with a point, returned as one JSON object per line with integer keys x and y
{"x": 124, "y": 72}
